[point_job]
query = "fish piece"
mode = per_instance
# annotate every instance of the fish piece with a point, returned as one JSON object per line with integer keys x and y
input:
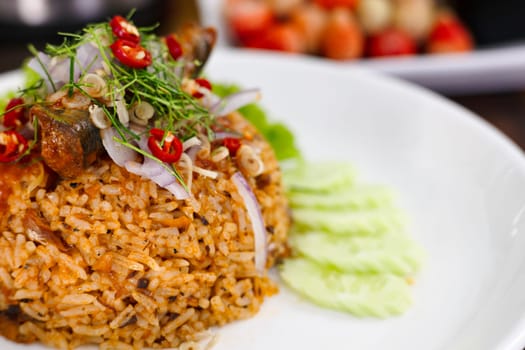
{"x": 197, "y": 44}
{"x": 69, "y": 140}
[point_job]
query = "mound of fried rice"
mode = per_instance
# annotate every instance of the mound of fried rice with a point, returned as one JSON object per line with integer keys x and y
{"x": 110, "y": 258}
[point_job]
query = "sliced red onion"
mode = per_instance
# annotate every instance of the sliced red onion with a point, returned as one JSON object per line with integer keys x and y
{"x": 40, "y": 64}
{"x": 235, "y": 101}
{"x": 134, "y": 167}
{"x": 163, "y": 179}
{"x": 156, "y": 172}
{"x": 58, "y": 70}
{"x": 192, "y": 152}
{"x": 119, "y": 153}
{"x": 255, "y": 215}
{"x": 152, "y": 169}
{"x": 178, "y": 191}
{"x": 225, "y": 134}
{"x": 88, "y": 59}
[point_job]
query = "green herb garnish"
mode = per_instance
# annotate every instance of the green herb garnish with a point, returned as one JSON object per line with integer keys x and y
{"x": 159, "y": 84}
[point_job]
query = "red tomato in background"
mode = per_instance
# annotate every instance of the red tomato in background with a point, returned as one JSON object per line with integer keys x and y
{"x": 331, "y": 4}
{"x": 311, "y": 21}
{"x": 343, "y": 38}
{"x": 336, "y": 28}
{"x": 283, "y": 8}
{"x": 248, "y": 18}
{"x": 449, "y": 35}
{"x": 280, "y": 37}
{"x": 391, "y": 42}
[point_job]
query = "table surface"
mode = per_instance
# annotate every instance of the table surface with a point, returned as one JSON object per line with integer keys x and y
{"x": 506, "y": 111}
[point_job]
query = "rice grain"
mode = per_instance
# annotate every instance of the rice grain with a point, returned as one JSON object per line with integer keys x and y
{"x": 124, "y": 264}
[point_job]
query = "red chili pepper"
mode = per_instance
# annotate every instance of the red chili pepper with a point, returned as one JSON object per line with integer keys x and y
{"x": 232, "y": 144}
{"x": 202, "y": 83}
{"x": 14, "y": 113}
{"x": 131, "y": 54}
{"x": 124, "y": 30}
{"x": 174, "y": 47}
{"x": 12, "y": 146}
{"x": 170, "y": 151}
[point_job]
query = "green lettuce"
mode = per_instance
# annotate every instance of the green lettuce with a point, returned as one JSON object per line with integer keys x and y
{"x": 277, "y": 134}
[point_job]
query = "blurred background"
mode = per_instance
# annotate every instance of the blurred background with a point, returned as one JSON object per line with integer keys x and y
{"x": 470, "y": 51}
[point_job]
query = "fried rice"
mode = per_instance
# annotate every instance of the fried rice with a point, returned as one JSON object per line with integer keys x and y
{"x": 113, "y": 259}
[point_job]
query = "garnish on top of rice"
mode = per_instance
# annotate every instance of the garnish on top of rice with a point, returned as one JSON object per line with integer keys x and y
{"x": 137, "y": 208}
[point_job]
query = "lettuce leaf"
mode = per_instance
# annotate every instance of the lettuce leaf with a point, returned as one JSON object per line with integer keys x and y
{"x": 278, "y": 135}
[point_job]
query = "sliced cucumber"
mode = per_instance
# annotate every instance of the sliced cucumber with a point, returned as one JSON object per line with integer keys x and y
{"x": 319, "y": 177}
{"x": 350, "y": 222}
{"x": 380, "y": 295}
{"x": 396, "y": 254}
{"x": 349, "y": 242}
{"x": 351, "y": 197}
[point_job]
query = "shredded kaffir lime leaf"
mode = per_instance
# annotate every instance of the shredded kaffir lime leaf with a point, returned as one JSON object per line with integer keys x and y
{"x": 159, "y": 83}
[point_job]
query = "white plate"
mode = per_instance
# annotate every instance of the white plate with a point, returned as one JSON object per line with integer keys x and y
{"x": 481, "y": 71}
{"x": 462, "y": 182}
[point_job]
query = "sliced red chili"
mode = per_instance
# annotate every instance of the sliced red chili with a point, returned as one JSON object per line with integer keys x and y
{"x": 174, "y": 46}
{"x": 202, "y": 83}
{"x": 164, "y": 145}
{"x": 14, "y": 113}
{"x": 131, "y": 54}
{"x": 124, "y": 30}
{"x": 12, "y": 146}
{"x": 232, "y": 144}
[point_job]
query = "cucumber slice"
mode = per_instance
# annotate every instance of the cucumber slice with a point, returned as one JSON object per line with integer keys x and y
{"x": 321, "y": 177}
{"x": 352, "y": 253}
{"x": 352, "y": 197}
{"x": 396, "y": 254}
{"x": 348, "y": 222}
{"x": 379, "y": 295}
